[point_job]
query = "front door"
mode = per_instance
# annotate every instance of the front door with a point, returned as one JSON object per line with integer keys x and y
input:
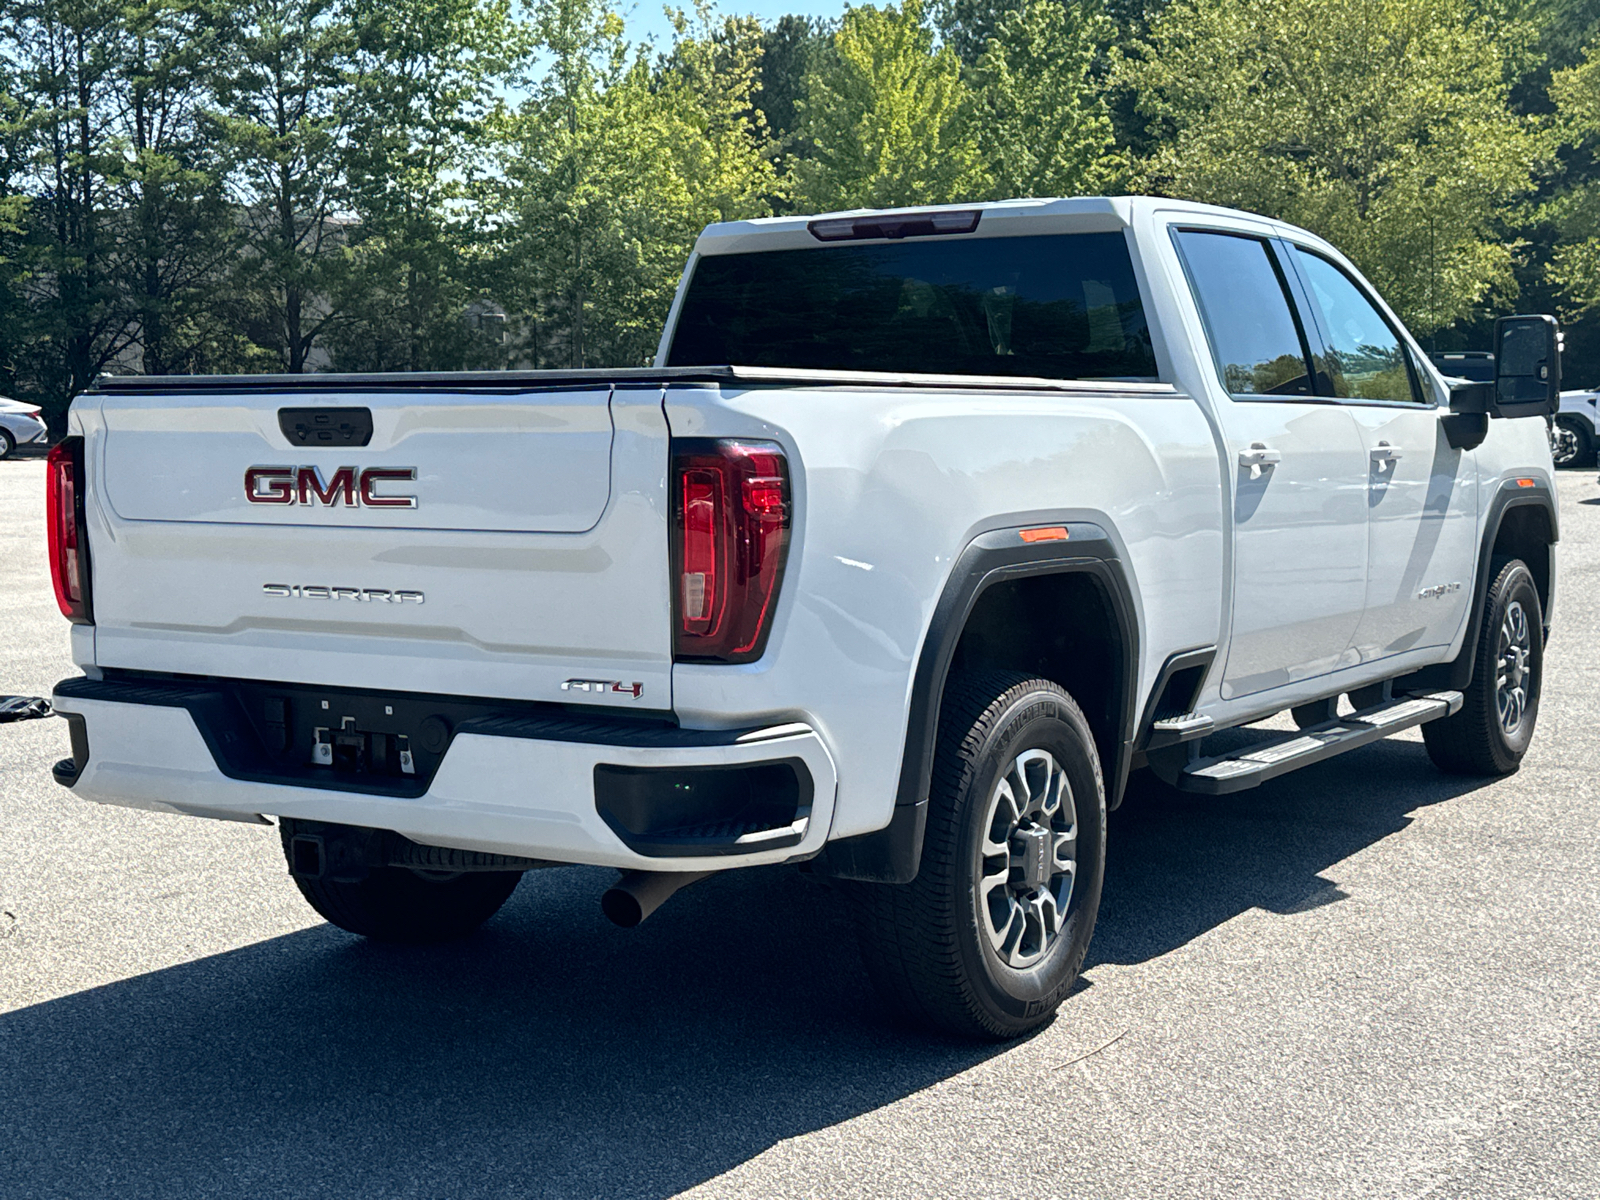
{"x": 1421, "y": 493}
{"x": 1299, "y": 473}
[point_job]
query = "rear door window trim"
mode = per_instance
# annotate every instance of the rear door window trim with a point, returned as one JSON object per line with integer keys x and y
{"x": 1270, "y": 244}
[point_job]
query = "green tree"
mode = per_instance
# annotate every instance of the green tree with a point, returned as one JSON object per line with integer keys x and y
{"x": 1381, "y": 124}
{"x": 178, "y": 234}
{"x": 424, "y": 100}
{"x": 967, "y": 25}
{"x": 616, "y": 168}
{"x": 64, "y": 58}
{"x": 14, "y": 215}
{"x": 1045, "y": 126}
{"x": 725, "y": 152}
{"x": 790, "y": 50}
{"x": 1575, "y": 263}
{"x": 888, "y": 118}
{"x": 280, "y": 119}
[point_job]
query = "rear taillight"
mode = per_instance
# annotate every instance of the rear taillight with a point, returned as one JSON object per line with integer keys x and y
{"x": 730, "y": 537}
{"x": 69, "y": 547}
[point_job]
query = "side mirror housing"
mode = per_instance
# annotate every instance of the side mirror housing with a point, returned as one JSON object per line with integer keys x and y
{"x": 1527, "y": 367}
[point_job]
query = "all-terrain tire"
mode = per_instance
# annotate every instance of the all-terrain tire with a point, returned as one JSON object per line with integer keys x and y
{"x": 1476, "y": 741}
{"x": 926, "y": 943}
{"x": 398, "y": 904}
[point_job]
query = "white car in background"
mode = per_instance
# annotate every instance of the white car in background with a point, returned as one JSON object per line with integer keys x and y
{"x": 1580, "y": 418}
{"x": 19, "y": 425}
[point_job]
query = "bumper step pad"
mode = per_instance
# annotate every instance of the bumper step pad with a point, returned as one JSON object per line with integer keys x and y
{"x": 1253, "y": 765}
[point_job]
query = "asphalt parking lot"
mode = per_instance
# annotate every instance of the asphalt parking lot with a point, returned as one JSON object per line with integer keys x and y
{"x": 1366, "y": 979}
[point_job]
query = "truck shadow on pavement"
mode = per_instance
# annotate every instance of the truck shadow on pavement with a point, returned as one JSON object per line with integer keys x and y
{"x": 552, "y": 1055}
{"x": 1178, "y": 865}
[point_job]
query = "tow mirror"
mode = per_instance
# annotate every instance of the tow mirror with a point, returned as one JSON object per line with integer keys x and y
{"x": 1527, "y": 367}
{"x": 1527, "y": 380}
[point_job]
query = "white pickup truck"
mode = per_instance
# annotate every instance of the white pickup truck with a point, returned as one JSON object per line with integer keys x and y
{"x": 928, "y": 527}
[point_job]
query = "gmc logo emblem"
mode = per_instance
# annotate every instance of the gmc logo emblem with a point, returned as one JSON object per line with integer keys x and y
{"x": 304, "y": 485}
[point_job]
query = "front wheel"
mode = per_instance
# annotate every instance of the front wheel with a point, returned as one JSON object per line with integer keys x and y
{"x": 989, "y": 938}
{"x": 1492, "y": 731}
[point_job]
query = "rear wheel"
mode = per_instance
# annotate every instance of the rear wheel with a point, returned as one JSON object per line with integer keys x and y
{"x": 989, "y": 938}
{"x": 1492, "y": 731}
{"x": 401, "y": 904}
{"x": 7, "y": 444}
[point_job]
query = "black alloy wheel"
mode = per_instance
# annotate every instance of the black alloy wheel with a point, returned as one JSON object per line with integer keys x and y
{"x": 989, "y": 938}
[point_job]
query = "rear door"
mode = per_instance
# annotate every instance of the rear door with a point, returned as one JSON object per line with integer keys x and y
{"x": 502, "y": 542}
{"x": 1298, "y": 467}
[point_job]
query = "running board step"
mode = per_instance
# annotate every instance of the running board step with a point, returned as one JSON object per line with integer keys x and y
{"x": 1254, "y": 765}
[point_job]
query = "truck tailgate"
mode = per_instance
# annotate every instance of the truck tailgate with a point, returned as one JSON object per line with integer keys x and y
{"x": 494, "y": 542}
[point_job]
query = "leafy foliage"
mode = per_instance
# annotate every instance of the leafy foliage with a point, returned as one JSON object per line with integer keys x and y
{"x": 1383, "y": 125}
{"x": 1575, "y": 264}
{"x": 888, "y": 118}
{"x": 1045, "y": 123}
{"x": 187, "y": 185}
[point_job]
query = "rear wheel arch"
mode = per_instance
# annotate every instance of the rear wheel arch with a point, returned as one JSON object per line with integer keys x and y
{"x": 1062, "y": 610}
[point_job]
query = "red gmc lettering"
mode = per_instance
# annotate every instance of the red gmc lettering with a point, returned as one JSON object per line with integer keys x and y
{"x": 304, "y": 485}
{"x": 342, "y": 484}
{"x": 373, "y": 475}
{"x": 278, "y": 482}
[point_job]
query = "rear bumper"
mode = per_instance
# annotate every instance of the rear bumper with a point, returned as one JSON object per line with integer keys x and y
{"x": 523, "y": 792}
{"x": 28, "y": 431}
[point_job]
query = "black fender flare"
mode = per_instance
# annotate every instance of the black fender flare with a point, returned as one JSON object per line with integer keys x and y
{"x": 894, "y": 853}
{"x": 1456, "y": 674}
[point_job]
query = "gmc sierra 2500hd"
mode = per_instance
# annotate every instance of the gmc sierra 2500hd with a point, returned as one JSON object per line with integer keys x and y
{"x": 926, "y": 529}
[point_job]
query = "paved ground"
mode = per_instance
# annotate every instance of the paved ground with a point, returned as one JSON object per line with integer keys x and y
{"x": 1365, "y": 980}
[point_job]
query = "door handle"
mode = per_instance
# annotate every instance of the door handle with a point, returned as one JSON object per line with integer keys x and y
{"x": 1385, "y": 454}
{"x": 1257, "y": 457}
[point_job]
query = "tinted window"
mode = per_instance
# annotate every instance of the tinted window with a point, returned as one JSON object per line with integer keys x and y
{"x": 1365, "y": 357}
{"x": 1062, "y": 307}
{"x": 1253, "y": 333}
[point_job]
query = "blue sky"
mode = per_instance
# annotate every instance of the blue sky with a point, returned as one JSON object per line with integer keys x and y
{"x": 646, "y": 18}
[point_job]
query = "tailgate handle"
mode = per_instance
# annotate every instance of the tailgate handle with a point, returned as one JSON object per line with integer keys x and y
{"x": 326, "y": 426}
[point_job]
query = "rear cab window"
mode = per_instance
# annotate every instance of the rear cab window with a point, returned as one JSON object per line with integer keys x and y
{"x": 1056, "y": 306}
{"x": 1256, "y": 337}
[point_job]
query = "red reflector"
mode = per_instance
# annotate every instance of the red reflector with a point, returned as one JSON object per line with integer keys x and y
{"x": 68, "y": 547}
{"x": 1048, "y": 533}
{"x": 1524, "y": 483}
{"x": 731, "y": 534}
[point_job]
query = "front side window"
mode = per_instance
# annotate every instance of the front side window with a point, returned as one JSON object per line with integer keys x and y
{"x": 1365, "y": 359}
{"x": 1242, "y": 296}
{"x": 1063, "y": 306}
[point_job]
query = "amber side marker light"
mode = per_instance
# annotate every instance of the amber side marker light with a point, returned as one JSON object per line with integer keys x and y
{"x": 1048, "y": 533}
{"x": 1524, "y": 483}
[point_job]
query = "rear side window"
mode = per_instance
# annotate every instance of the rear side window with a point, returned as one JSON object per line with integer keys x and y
{"x": 1255, "y": 338}
{"x": 1365, "y": 358}
{"x": 1063, "y": 306}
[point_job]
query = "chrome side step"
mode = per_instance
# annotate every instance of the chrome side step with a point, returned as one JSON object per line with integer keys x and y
{"x": 1279, "y": 754}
